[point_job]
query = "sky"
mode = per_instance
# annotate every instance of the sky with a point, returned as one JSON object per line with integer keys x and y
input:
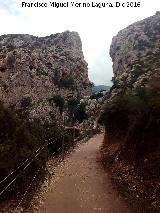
{"x": 96, "y": 26}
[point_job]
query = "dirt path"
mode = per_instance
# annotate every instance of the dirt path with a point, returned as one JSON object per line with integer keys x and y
{"x": 81, "y": 185}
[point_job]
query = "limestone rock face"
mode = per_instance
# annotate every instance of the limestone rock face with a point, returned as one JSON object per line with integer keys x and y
{"x": 37, "y": 68}
{"x": 135, "y": 53}
{"x": 93, "y": 107}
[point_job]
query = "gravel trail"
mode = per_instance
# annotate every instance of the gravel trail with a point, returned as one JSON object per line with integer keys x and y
{"x": 82, "y": 186}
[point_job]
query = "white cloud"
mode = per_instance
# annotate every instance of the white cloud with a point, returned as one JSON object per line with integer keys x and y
{"x": 95, "y": 26}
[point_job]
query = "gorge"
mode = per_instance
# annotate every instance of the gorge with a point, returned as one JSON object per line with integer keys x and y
{"x": 46, "y": 101}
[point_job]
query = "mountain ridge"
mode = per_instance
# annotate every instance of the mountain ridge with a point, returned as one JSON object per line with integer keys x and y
{"x": 98, "y": 88}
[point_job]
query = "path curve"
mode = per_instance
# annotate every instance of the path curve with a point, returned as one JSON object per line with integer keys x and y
{"x": 82, "y": 186}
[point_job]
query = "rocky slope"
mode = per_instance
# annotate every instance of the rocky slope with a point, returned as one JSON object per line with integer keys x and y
{"x": 135, "y": 53}
{"x": 93, "y": 106}
{"x": 132, "y": 112}
{"x": 35, "y": 69}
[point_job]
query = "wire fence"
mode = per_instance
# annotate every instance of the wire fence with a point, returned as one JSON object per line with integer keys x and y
{"x": 21, "y": 168}
{"x": 24, "y": 195}
{"x": 16, "y": 173}
{"x": 26, "y": 166}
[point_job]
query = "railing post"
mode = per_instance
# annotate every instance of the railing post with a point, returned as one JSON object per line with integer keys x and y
{"x": 63, "y": 135}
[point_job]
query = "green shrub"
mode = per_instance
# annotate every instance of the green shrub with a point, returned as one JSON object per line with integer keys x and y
{"x": 10, "y": 60}
{"x": 72, "y": 104}
{"x": 136, "y": 73}
{"x": 80, "y": 112}
{"x": 26, "y": 102}
{"x": 19, "y": 139}
{"x": 142, "y": 100}
{"x": 136, "y": 117}
{"x": 67, "y": 82}
{"x": 96, "y": 96}
{"x": 54, "y": 135}
{"x": 59, "y": 102}
{"x": 115, "y": 116}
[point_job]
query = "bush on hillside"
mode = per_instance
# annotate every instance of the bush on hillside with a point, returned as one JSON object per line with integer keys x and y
{"x": 19, "y": 139}
{"x": 96, "y": 95}
{"x": 67, "y": 82}
{"x": 136, "y": 116}
{"x": 59, "y": 102}
{"x": 72, "y": 104}
{"x": 26, "y": 102}
{"x": 80, "y": 112}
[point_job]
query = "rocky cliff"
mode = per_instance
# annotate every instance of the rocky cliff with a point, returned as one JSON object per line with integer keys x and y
{"x": 135, "y": 52}
{"x": 132, "y": 113}
{"x": 35, "y": 69}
